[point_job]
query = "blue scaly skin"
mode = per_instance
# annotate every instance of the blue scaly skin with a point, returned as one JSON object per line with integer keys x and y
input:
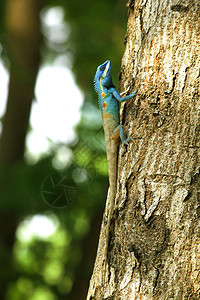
{"x": 109, "y": 99}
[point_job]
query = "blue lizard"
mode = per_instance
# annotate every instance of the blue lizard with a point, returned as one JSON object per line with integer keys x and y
{"x": 109, "y": 99}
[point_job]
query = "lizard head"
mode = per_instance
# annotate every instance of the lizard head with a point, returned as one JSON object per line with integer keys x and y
{"x": 103, "y": 81}
{"x": 104, "y": 69}
{"x": 104, "y": 75}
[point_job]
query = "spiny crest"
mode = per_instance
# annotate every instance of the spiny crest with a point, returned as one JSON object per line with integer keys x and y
{"x": 98, "y": 90}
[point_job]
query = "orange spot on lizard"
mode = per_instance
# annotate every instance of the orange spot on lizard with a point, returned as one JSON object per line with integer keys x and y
{"x": 103, "y": 94}
{"x": 105, "y": 116}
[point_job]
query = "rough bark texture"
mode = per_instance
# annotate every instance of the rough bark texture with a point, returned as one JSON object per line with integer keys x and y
{"x": 154, "y": 247}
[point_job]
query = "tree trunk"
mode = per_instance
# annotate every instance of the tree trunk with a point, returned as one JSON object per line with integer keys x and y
{"x": 154, "y": 246}
{"x": 23, "y": 29}
{"x": 23, "y": 32}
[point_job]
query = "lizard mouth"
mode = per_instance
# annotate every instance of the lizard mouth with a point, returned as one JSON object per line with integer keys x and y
{"x": 106, "y": 70}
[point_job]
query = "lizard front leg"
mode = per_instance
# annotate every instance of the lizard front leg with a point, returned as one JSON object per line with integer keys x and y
{"x": 117, "y": 96}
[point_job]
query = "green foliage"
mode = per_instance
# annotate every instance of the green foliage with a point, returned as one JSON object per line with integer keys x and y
{"x": 45, "y": 260}
{"x": 49, "y": 264}
{"x": 20, "y": 187}
{"x": 97, "y": 32}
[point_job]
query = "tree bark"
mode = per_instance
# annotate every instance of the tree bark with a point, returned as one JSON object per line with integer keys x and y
{"x": 154, "y": 246}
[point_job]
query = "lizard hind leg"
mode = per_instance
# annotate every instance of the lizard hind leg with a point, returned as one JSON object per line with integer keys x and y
{"x": 119, "y": 131}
